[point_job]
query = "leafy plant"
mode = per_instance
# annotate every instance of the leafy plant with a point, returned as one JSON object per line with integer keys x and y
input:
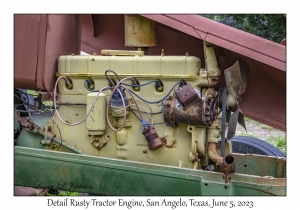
{"x": 278, "y": 141}
{"x": 248, "y": 134}
{"x": 267, "y": 127}
{"x": 268, "y": 26}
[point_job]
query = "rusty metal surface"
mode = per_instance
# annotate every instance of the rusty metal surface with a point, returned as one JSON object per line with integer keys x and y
{"x": 234, "y": 80}
{"x": 154, "y": 142}
{"x": 207, "y": 106}
{"x": 186, "y": 95}
{"x": 139, "y": 31}
{"x": 228, "y": 167}
{"x": 38, "y": 42}
{"x": 191, "y": 115}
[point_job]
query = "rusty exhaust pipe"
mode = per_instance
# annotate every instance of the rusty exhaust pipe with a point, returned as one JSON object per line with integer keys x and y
{"x": 228, "y": 167}
{"x": 212, "y": 153}
{"x": 226, "y": 164}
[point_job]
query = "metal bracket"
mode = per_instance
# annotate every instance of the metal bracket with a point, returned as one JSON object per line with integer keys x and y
{"x": 99, "y": 141}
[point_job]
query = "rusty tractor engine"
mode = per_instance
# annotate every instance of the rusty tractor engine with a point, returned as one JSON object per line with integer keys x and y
{"x": 154, "y": 109}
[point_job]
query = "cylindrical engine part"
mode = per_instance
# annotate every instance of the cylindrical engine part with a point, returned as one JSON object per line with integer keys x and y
{"x": 228, "y": 164}
{"x": 154, "y": 141}
{"x": 192, "y": 115}
{"x": 96, "y": 121}
{"x": 211, "y": 60}
{"x": 228, "y": 167}
{"x": 139, "y": 31}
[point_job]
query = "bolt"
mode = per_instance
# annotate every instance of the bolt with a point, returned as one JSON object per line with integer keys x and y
{"x": 93, "y": 59}
{"x": 70, "y": 86}
{"x": 144, "y": 151}
{"x": 136, "y": 88}
{"x": 54, "y": 146}
{"x": 160, "y": 88}
{"x": 173, "y": 140}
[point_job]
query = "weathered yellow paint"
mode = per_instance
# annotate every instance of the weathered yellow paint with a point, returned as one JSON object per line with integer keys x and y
{"x": 129, "y": 143}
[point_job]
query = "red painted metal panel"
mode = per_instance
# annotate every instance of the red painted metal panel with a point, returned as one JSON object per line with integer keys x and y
{"x": 63, "y": 38}
{"x": 26, "y": 49}
{"x": 110, "y": 33}
{"x": 243, "y": 43}
{"x": 38, "y": 42}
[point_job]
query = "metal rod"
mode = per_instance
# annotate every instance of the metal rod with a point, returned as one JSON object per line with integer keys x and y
{"x": 34, "y": 128}
{"x": 59, "y": 141}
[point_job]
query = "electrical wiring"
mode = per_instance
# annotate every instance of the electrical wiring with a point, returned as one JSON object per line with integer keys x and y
{"x": 141, "y": 120}
{"x": 88, "y": 89}
{"x": 146, "y": 105}
{"x": 120, "y": 86}
{"x": 55, "y": 107}
{"x": 119, "y": 110}
{"x": 155, "y": 102}
{"x": 157, "y": 82}
{"x": 146, "y": 112}
{"x": 181, "y": 82}
{"x": 107, "y": 77}
{"x": 123, "y": 102}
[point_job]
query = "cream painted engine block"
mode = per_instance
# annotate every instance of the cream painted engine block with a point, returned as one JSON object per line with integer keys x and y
{"x": 174, "y": 131}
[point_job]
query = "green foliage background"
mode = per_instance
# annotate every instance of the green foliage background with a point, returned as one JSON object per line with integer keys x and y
{"x": 268, "y": 26}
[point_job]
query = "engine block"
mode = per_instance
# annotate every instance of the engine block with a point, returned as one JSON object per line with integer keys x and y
{"x": 173, "y": 131}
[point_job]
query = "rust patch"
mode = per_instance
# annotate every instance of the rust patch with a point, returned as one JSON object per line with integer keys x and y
{"x": 154, "y": 142}
{"x": 186, "y": 95}
{"x": 139, "y": 31}
{"x": 191, "y": 115}
{"x": 228, "y": 167}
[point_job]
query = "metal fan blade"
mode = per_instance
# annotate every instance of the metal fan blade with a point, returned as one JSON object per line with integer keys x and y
{"x": 236, "y": 117}
{"x": 236, "y": 82}
{"x": 233, "y": 79}
{"x": 236, "y": 78}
